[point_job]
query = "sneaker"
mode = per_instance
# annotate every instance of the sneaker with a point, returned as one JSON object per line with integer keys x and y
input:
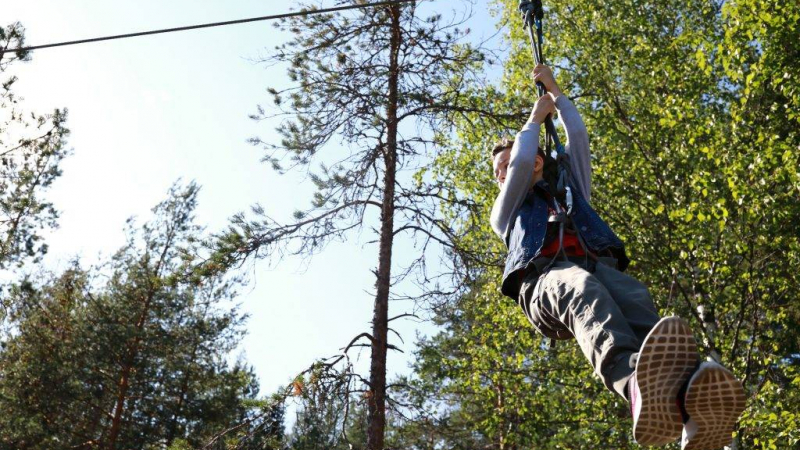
{"x": 667, "y": 358}
{"x": 714, "y": 400}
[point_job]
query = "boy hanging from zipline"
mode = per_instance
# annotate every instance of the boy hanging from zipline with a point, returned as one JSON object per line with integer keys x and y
{"x": 565, "y": 269}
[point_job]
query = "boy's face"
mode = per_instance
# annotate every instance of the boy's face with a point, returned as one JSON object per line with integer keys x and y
{"x": 500, "y": 165}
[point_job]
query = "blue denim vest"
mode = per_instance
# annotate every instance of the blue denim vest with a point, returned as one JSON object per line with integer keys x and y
{"x": 526, "y": 238}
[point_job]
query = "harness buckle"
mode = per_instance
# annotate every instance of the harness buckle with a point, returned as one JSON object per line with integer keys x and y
{"x": 559, "y": 215}
{"x": 569, "y": 201}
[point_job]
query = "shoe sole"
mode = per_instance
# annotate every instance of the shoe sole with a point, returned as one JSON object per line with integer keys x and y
{"x": 667, "y": 358}
{"x": 714, "y": 400}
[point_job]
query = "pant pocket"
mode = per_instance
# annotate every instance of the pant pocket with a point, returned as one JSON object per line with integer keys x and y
{"x": 542, "y": 321}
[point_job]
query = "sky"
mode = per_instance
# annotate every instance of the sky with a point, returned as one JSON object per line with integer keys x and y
{"x": 147, "y": 111}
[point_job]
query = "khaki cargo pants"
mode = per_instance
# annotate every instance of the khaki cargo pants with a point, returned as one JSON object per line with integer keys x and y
{"x": 608, "y": 312}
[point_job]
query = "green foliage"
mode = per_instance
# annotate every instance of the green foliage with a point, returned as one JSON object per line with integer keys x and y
{"x": 490, "y": 373}
{"x": 31, "y": 148}
{"x": 129, "y": 355}
{"x": 265, "y": 431}
{"x": 132, "y": 355}
{"x": 692, "y": 113}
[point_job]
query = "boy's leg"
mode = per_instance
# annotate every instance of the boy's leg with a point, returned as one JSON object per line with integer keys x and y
{"x": 714, "y": 399}
{"x": 576, "y": 300}
{"x": 632, "y": 298}
{"x": 569, "y": 297}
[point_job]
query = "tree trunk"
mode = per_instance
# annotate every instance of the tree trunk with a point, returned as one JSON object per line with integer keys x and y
{"x": 133, "y": 349}
{"x": 380, "y": 324}
{"x": 173, "y": 427}
{"x": 124, "y": 382}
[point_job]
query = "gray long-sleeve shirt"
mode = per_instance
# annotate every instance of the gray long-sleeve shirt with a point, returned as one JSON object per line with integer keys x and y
{"x": 519, "y": 177}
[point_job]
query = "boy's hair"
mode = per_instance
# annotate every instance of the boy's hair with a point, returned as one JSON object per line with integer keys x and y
{"x": 506, "y": 143}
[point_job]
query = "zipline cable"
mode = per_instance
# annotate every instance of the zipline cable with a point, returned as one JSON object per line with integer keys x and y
{"x": 306, "y": 12}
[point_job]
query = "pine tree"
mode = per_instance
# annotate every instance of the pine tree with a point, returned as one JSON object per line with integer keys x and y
{"x": 384, "y": 82}
{"x": 31, "y": 148}
{"x": 130, "y": 355}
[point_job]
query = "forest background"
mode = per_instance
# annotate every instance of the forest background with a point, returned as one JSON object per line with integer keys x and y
{"x": 692, "y": 112}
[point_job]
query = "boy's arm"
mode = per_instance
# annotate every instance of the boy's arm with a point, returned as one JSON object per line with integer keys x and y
{"x": 518, "y": 179}
{"x": 577, "y": 145}
{"x": 577, "y": 138}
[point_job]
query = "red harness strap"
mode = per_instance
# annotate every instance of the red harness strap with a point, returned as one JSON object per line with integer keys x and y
{"x": 571, "y": 244}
